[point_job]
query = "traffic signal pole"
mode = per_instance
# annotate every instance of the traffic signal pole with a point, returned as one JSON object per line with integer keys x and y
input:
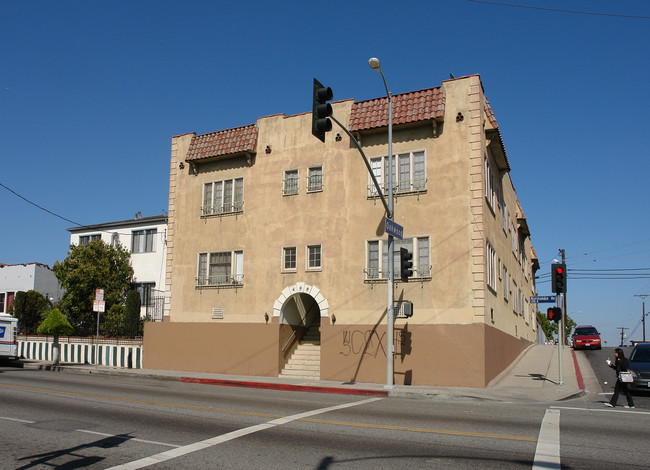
{"x": 321, "y": 114}
{"x": 560, "y": 334}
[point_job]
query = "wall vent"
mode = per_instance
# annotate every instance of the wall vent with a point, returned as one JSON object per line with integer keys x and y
{"x": 217, "y": 313}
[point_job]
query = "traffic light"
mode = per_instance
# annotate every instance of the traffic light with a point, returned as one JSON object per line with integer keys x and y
{"x": 554, "y": 314}
{"x": 558, "y": 278}
{"x": 405, "y": 264}
{"x": 321, "y": 111}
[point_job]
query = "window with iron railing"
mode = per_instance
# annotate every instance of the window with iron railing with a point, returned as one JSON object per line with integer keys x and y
{"x": 223, "y": 197}
{"x": 409, "y": 173}
{"x": 290, "y": 182}
{"x": 315, "y": 179}
{"x": 220, "y": 269}
{"x": 377, "y": 266}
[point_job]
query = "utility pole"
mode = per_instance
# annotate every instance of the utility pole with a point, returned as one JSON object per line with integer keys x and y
{"x": 622, "y": 334}
{"x": 643, "y": 296}
{"x": 564, "y": 335}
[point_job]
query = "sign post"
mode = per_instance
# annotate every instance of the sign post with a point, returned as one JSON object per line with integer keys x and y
{"x": 98, "y": 306}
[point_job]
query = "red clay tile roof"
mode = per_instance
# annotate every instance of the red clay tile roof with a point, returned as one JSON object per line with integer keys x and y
{"x": 226, "y": 142}
{"x": 407, "y": 107}
{"x": 490, "y": 113}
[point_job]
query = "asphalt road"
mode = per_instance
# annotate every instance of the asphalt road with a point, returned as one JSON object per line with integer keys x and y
{"x": 61, "y": 420}
{"x": 607, "y": 376}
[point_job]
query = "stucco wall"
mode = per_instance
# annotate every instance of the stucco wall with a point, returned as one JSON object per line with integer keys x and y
{"x": 435, "y": 355}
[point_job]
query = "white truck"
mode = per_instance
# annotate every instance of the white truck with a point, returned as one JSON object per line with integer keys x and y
{"x": 8, "y": 338}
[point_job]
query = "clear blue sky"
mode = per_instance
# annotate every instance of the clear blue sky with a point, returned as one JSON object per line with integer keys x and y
{"x": 92, "y": 92}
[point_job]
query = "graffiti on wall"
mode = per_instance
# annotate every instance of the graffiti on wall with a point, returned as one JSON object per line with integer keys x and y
{"x": 369, "y": 342}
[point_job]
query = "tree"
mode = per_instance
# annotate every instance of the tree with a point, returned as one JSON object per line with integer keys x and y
{"x": 29, "y": 308}
{"x": 55, "y": 324}
{"x": 96, "y": 265}
{"x": 114, "y": 321}
{"x": 132, "y": 314}
{"x": 548, "y": 327}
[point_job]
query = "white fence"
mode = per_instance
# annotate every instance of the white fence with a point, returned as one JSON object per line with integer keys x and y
{"x": 108, "y": 352}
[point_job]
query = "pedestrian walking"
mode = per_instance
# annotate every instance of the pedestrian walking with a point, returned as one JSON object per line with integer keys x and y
{"x": 620, "y": 364}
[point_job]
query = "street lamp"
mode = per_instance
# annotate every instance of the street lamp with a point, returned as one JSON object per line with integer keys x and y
{"x": 390, "y": 311}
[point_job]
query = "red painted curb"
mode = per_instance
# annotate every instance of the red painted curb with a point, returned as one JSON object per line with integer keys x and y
{"x": 581, "y": 384}
{"x": 287, "y": 387}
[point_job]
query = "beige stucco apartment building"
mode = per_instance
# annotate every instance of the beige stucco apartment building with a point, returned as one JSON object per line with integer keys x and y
{"x": 276, "y": 243}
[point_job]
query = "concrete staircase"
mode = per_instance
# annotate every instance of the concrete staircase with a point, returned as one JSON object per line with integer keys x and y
{"x": 304, "y": 363}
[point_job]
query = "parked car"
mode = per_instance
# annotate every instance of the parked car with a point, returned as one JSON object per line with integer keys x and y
{"x": 640, "y": 366}
{"x": 586, "y": 337}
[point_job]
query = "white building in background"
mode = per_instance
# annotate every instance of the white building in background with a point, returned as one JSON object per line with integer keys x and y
{"x": 28, "y": 276}
{"x": 146, "y": 239}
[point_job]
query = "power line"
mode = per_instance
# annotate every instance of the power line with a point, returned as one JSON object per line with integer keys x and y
{"x": 560, "y": 10}
{"x": 40, "y": 207}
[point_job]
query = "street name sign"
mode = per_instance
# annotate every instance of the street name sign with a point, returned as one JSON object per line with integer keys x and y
{"x": 394, "y": 229}
{"x": 540, "y": 299}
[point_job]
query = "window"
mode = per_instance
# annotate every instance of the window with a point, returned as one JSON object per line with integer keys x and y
{"x": 315, "y": 179}
{"x": 2, "y": 302}
{"x": 145, "y": 289}
{"x": 506, "y": 283}
{"x": 489, "y": 183}
{"x": 313, "y": 257}
{"x": 220, "y": 269}
{"x": 409, "y": 173}
{"x": 223, "y": 197}
{"x": 377, "y": 267}
{"x": 143, "y": 241}
{"x": 290, "y": 182}
{"x": 86, "y": 239}
{"x": 491, "y": 266}
{"x": 289, "y": 258}
{"x": 115, "y": 239}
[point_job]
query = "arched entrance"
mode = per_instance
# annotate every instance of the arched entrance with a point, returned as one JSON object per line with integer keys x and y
{"x": 300, "y": 302}
{"x": 299, "y": 309}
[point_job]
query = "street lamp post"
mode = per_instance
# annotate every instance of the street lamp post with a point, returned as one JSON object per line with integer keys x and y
{"x": 390, "y": 311}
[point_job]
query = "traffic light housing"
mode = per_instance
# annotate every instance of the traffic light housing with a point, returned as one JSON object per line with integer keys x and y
{"x": 321, "y": 111}
{"x": 558, "y": 278}
{"x": 554, "y": 314}
{"x": 405, "y": 264}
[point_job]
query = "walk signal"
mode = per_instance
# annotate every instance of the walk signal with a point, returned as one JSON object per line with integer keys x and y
{"x": 558, "y": 278}
{"x": 554, "y": 314}
{"x": 405, "y": 264}
{"x": 321, "y": 111}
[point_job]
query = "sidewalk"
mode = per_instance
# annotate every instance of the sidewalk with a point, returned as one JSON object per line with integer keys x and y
{"x": 533, "y": 377}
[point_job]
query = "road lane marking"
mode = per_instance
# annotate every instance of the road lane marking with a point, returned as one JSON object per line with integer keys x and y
{"x": 144, "y": 402}
{"x": 423, "y": 430}
{"x": 547, "y": 454}
{"x": 180, "y": 451}
{"x": 17, "y": 420}
{"x": 127, "y": 438}
{"x": 604, "y": 410}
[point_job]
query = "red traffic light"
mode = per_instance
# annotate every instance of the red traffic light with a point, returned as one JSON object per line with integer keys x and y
{"x": 560, "y": 270}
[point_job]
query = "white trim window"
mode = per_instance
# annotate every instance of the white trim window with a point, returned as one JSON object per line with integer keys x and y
{"x": 86, "y": 239}
{"x": 377, "y": 266}
{"x": 491, "y": 266}
{"x": 224, "y": 268}
{"x": 290, "y": 182}
{"x": 409, "y": 173}
{"x": 143, "y": 241}
{"x": 314, "y": 257}
{"x": 315, "y": 179}
{"x": 489, "y": 183}
{"x": 223, "y": 197}
{"x": 506, "y": 283}
{"x": 289, "y": 258}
